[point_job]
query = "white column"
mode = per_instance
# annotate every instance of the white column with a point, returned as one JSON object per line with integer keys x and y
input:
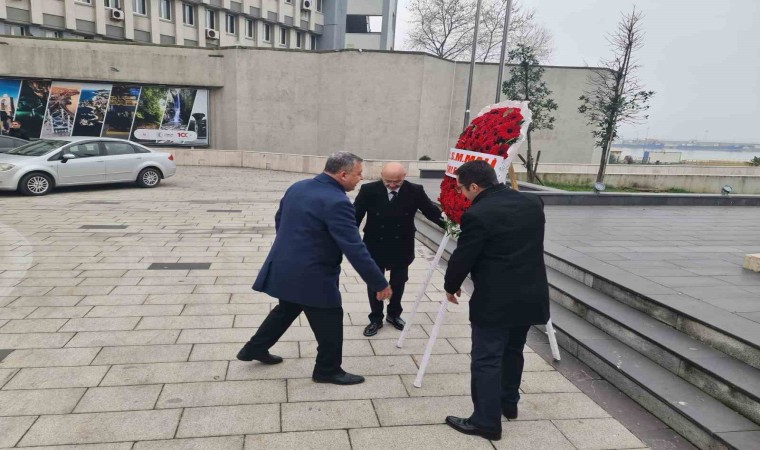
{"x": 201, "y": 21}
{"x": 35, "y": 7}
{"x": 155, "y": 24}
{"x": 179, "y": 27}
{"x": 129, "y": 19}
{"x": 71, "y": 20}
{"x": 3, "y": 14}
{"x": 100, "y": 17}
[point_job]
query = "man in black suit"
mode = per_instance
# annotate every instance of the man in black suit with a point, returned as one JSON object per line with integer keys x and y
{"x": 502, "y": 246}
{"x": 390, "y": 205}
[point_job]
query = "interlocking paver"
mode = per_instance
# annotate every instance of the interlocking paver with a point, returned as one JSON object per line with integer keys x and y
{"x": 119, "y": 398}
{"x": 224, "y": 393}
{"x": 57, "y": 377}
{"x": 102, "y": 427}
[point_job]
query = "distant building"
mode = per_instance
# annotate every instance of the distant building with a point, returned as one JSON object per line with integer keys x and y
{"x": 293, "y": 24}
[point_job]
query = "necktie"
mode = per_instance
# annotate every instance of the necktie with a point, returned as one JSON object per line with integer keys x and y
{"x": 393, "y": 195}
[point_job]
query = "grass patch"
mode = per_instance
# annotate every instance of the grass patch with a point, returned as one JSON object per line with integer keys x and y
{"x": 588, "y": 188}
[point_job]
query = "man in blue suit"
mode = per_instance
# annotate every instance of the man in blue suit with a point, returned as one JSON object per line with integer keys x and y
{"x": 315, "y": 227}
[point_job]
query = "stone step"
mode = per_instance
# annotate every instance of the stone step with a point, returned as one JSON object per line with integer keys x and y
{"x": 730, "y": 334}
{"x": 700, "y": 418}
{"x": 729, "y": 380}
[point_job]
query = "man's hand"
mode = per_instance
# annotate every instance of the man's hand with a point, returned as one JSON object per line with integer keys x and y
{"x": 452, "y": 298}
{"x": 385, "y": 294}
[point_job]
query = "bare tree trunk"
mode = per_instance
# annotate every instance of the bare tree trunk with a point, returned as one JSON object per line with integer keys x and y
{"x": 529, "y": 162}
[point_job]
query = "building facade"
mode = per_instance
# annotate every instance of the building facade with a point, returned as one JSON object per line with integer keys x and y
{"x": 291, "y": 24}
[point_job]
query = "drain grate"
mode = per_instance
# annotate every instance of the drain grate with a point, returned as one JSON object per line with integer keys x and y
{"x": 103, "y": 227}
{"x": 4, "y": 353}
{"x": 179, "y": 266}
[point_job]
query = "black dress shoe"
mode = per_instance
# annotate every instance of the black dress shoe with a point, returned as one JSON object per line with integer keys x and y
{"x": 509, "y": 410}
{"x": 463, "y": 425}
{"x": 372, "y": 328}
{"x": 266, "y": 358}
{"x": 340, "y": 378}
{"x": 397, "y": 322}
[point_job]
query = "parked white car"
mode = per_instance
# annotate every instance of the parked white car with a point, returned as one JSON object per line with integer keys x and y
{"x": 39, "y": 166}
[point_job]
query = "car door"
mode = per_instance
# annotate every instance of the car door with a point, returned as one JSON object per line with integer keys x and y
{"x": 87, "y": 166}
{"x": 122, "y": 161}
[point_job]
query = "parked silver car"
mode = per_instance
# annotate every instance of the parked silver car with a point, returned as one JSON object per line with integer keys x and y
{"x": 39, "y": 166}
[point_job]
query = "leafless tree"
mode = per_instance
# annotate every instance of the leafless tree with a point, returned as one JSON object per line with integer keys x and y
{"x": 441, "y": 27}
{"x": 524, "y": 30}
{"x": 445, "y": 28}
{"x": 614, "y": 94}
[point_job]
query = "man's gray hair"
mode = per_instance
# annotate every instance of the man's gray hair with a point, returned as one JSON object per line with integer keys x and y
{"x": 341, "y": 162}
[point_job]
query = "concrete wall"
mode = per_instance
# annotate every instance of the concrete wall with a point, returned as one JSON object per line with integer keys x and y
{"x": 697, "y": 179}
{"x": 381, "y": 105}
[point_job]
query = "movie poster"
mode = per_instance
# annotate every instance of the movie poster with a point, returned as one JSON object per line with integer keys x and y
{"x": 150, "y": 111}
{"x": 61, "y": 109}
{"x": 153, "y": 115}
{"x": 30, "y": 108}
{"x": 121, "y": 111}
{"x": 91, "y": 112}
{"x": 9, "y": 90}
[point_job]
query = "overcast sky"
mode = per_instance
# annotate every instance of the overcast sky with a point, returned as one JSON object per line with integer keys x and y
{"x": 701, "y": 57}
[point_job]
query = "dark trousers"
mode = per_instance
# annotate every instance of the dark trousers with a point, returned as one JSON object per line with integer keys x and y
{"x": 326, "y": 323}
{"x": 497, "y": 366}
{"x": 399, "y": 276}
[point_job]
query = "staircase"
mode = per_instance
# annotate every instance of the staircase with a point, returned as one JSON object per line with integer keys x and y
{"x": 694, "y": 366}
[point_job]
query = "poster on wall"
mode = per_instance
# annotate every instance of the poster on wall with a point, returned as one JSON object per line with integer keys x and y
{"x": 30, "y": 107}
{"x": 91, "y": 112}
{"x": 61, "y": 109}
{"x": 121, "y": 109}
{"x": 151, "y": 115}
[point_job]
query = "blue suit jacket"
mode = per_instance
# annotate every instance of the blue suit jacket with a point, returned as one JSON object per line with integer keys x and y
{"x": 315, "y": 227}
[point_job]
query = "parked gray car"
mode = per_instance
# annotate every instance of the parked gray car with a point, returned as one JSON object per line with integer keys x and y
{"x": 38, "y": 167}
{"x": 8, "y": 142}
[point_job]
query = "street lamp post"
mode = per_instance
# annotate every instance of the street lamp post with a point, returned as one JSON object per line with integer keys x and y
{"x": 503, "y": 51}
{"x": 472, "y": 66}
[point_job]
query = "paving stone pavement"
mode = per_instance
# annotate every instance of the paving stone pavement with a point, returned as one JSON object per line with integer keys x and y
{"x": 108, "y": 353}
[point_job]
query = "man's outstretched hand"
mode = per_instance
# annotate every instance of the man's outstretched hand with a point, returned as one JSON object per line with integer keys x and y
{"x": 452, "y": 298}
{"x": 385, "y": 294}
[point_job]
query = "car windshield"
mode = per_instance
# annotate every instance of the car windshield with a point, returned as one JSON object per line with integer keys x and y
{"x": 37, "y": 148}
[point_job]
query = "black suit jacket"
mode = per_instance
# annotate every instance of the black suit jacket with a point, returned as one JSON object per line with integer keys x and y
{"x": 389, "y": 232}
{"x": 502, "y": 246}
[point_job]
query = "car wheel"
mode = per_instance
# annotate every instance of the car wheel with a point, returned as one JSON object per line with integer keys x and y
{"x": 36, "y": 184}
{"x": 149, "y": 178}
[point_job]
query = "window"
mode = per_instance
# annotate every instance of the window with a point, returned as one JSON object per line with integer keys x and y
{"x": 249, "y": 28}
{"x": 313, "y": 42}
{"x": 289, "y": 2}
{"x": 188, "y": 14}
{"x": 211, "y": 19}
{"x": 267, "y": 32}
{"x": 319, "y": 5}
{"x": 140, "y": 7}
{"x": 86, "y": 2}
{"x": 87, "y": 150}
{"x": 165, "y": 9}
{"x": 283, "y": 36}
{"x": 299, "y": 39}
{"x": 118, "y": 148}
{"x": 54, "y": 34}
{"x": 230, "y": 23}
{"x": 113, "y": 4}
{"x": 19, "y": 30}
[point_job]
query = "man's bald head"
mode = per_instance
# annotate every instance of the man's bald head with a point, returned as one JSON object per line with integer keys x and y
{"x": 393, "y": 174}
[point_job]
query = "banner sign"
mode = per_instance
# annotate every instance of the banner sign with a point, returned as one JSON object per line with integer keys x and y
{"x": 151, "y": 115}
{"x": 458, "y": 157}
